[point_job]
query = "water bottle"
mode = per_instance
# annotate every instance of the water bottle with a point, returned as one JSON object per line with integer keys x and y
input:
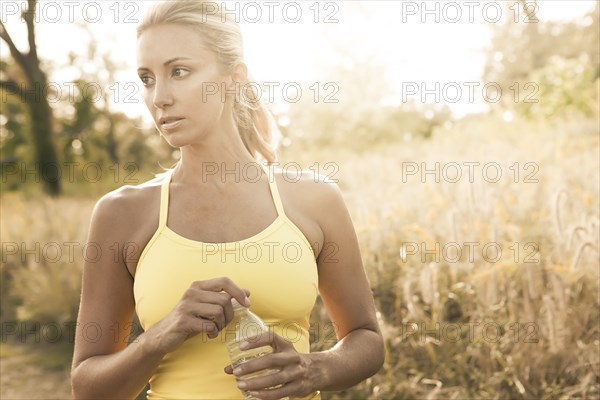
{"x": 246, "y": 324}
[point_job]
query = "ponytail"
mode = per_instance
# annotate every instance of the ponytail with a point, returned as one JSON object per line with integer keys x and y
{"x": 256, "y": 125}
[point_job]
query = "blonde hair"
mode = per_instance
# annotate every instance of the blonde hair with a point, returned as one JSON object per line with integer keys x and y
{"x": 222, "y": 35}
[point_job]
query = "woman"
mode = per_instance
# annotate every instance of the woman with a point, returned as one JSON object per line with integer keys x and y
{"x": 188, "y": 242}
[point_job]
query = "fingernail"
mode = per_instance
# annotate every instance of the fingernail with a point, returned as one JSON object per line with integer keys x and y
{"x": 244, "y": 346}
{"x": 237, "y": 371}
{"x": 247, "y": 301}
{"x": 241, "y": 384}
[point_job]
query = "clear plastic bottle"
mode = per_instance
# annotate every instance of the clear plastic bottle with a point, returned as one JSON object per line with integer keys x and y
{"x": 246, "y": 324}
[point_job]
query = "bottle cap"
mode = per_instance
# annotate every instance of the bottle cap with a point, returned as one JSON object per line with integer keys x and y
{"x": 236, "y": 305}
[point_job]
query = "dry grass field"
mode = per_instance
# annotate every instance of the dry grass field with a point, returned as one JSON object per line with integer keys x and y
{"x": 484, "y": 269}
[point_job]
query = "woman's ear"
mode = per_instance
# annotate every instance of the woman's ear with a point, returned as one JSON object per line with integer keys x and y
{"x": 237, "y": 78}
{"x": 239, "y": 74}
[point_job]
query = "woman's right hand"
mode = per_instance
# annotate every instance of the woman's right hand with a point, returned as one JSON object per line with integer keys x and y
{"x": 204, "y": 307}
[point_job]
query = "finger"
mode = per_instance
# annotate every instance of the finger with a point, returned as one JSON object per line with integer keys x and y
{"x": 206, "y": 297}
{"x": 204, "y": 325}
{"x": 222, "y": 298}
{"x": 275, "y": 378}
{"x": 267, "y": 338}
{"x": 211, "y": 312}
{"x": 225, "y": 302}
{"x": 226, "y": 285}
{"x": 289, "y": 390}
{"x": 228, "y": 369}
{"x": 275, "y": 361}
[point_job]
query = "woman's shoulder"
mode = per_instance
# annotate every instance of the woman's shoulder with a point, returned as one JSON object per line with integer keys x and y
{"x": 315, "y": 188}
{"x": 126, "y": 204}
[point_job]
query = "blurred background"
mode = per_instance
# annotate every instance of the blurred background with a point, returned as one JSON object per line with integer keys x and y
{"x": 464, "y": 136}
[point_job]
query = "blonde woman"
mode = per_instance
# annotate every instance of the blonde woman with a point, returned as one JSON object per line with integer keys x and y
{"x": 192, "y": 239}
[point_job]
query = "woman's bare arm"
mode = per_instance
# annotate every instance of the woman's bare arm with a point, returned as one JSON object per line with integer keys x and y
{"x": 103, "y": 365}
{"x": 345, "y": 291}
{"x": 347, "y": 297}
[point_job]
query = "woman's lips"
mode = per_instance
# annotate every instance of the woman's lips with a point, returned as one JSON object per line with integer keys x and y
{"x": 168, "y": 126}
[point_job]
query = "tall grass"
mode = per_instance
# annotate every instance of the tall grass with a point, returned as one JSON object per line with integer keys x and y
{"x": 520, "y": 325}
{"x": 42, "y": 243}
{"x": 457, "y": 325}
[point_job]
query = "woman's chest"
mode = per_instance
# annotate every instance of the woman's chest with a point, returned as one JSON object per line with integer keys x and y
{"x": 279, "y": 269}
{"x": 249, "y": 227}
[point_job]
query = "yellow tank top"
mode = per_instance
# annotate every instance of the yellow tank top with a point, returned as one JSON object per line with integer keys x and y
{"x": 277, "y": 265}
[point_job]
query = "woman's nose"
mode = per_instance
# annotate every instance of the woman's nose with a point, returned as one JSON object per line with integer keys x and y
{"x": 162, "y": 95}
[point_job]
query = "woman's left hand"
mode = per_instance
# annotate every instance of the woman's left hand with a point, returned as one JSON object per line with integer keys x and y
{"x": 293, "y": 369}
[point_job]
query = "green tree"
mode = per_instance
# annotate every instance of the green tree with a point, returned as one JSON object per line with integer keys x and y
{"x": 41, "y": 115}
{"x": 545, "y": 68}
{"x": 14, "y": 120}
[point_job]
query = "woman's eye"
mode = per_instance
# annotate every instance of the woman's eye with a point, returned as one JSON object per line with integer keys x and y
{"x": 180, "y": 72}
{"x": 146, "y": 80}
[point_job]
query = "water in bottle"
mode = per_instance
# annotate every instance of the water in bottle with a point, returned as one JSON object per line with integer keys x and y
{"x": 245, "y": 325}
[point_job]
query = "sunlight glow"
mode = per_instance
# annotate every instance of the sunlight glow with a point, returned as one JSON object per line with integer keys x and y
{"x": 391, "y": 34}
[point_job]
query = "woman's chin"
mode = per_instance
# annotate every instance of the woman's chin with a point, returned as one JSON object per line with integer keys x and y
{"x": 175, "y": 140}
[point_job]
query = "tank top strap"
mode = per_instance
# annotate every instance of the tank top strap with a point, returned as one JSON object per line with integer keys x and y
{"x": 274, "y": 191}
{"x": 164, "y": 200}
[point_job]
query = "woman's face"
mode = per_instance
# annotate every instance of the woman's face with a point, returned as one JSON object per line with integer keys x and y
{"x": 182, "y": 83}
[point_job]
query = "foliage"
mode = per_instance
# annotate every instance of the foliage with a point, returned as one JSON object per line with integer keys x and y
{"x": 549, "y": 68}
{"x": 86, "y": 131}
{"x": 565, "y": 88}
{"x": 351, "y": 113}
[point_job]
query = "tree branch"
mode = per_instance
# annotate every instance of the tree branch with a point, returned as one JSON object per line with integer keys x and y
{"x": 17, "y": 55}
{"x": 29, "y": 17}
